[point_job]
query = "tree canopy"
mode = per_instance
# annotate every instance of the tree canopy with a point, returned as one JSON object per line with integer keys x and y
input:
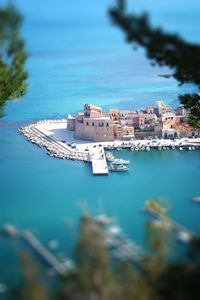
{"x": 164, "y": 49}
{"x": 97, "y": 275}
{"x": 12, "y": 56}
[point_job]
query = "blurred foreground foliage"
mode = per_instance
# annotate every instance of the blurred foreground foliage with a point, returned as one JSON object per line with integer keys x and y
{"x": 98, "y": 276}
{"x": 166, "y": 50}
{"x": 12, "y": 56}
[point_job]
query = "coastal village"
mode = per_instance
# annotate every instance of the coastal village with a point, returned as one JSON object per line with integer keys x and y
{"x": 159, "y": 121}
{"x": 90, "y": 135}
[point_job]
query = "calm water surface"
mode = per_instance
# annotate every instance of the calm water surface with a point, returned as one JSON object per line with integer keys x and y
{"x": 75, "y": 55}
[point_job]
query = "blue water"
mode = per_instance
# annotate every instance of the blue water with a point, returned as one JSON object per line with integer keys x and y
{"x": 76, "y": 55}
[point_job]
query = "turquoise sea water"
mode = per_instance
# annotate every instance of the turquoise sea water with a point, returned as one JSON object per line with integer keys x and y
{"x": 75, "y": 55}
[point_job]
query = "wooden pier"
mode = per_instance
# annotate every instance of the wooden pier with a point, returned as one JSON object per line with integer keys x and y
{"x": 35, "y": 244}
{"x": 59, "y": 268}
{"x": 173, "y": 225}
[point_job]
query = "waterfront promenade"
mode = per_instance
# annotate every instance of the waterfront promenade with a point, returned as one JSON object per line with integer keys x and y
{"x": 60, "y": 143}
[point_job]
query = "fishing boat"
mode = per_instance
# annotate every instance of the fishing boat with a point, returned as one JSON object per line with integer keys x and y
{"x": 118, "y": 161}
{"x": 110, "y": 157}
{"x": 120, "y": 168}
{"x": 132, "y": 149}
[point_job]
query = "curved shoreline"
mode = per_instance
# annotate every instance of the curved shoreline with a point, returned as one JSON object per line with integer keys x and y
{"x": 53, "y": 135}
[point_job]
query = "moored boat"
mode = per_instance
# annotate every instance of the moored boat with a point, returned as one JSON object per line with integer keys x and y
{"x": 110, "y": 157}
{"x": 120, "y": 168}
{"x": 118, "y": 161}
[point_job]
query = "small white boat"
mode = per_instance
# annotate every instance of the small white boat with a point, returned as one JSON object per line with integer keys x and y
{"x": 119, "y": 149}
{"x": 132, "y": 149}
{"x": 120, "y": 168}
{"x": 118, "y": 161}
{"x": 110, "y": 157}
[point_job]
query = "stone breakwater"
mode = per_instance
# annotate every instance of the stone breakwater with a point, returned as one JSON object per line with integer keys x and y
{"x": 54, "y": 148}
{"x": 60, "y": 143}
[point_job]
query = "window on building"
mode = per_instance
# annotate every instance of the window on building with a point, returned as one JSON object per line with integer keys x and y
{"x": 92, "y": 123}
{"x": 107, "y": 124}
{"x": 102, "y": 124}
{"x": 87, "y": 123}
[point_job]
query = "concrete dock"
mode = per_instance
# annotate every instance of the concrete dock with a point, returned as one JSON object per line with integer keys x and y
{"x": 60, "y": 143}
{"x": 98, "y": 159}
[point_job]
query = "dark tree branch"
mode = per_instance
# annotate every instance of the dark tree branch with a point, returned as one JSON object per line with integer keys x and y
{"x": 12, "y": 56}
{"x": 165, "y": 49}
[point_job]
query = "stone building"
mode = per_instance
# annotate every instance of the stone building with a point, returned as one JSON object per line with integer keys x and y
{"x": 170, "y": 133}
{"x": 91, "y": 125}
{"x": 123, "y": 132}
{"x": 186, "y": 129}
{"x": 162, "y": 108}
{"x": 114, "y": 112}
{"x": 180, "y": 111}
